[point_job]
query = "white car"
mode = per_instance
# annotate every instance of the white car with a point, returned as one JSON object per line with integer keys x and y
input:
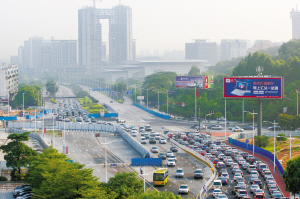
{"x": 162, "y": 141}
{"x": 217, "y": 127}
{"x": 232, "y": 127}
{"x": 221, "y": 196}
{"x": 133, "y": 133}
{"x": 216, "y": 192}
{"x": 169, "y": 153}
{"x": 237, "y": 129}
{"x": 253, "y": 188}
{"x": 173, "y": 157}
{"x": 237, "y": 175}
{"x": 143, "y": 140}
{"x": 184, "y": 188}
{"x": 171, "y": 162}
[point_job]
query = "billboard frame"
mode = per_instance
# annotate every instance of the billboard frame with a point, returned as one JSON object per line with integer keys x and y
{"x": 254, "y": 97}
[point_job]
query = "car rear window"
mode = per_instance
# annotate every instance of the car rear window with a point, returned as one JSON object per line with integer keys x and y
{"x": 217, "y": 183}
{"x": 243, "y": 192}
{"x": 263, "y": 166}
{"x": 259, "y": 196}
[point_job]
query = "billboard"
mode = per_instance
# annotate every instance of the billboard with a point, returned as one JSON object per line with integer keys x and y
{"x": 140, "y": 97}
{"x": 253, "y": 87}
{"x": 189, "y": 82}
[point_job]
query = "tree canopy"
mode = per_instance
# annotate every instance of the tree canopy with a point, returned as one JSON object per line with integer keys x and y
{"x": 30, "y": 96}
{"x": 291, "y": 175}
{"x": 195, "y": 71}
{"x": 52, "y": 87}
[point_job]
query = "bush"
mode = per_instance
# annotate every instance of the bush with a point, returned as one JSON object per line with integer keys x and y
{"x": 54, "y": 101}
{"x": 261, "y": 141}
{"x": 282, "y": 137}
{"x": 2, "y": 178}
{"x": 97, "y": 106}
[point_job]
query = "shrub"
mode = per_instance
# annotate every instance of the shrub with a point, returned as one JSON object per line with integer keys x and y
{"x": 97, "y": 106}
{"x": 54, "y": 101}
{"x": 3, "y": 178}
{"x": 282, "y": 137}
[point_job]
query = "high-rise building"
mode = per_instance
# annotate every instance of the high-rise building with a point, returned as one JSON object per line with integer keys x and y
{"x": 295, "y": 16}
{"x": 202, "y": 50}
{"x": 14, "y": 60}
{"x": 63, "y": 53}
{"x": 31, "y": 53}
{"x": 9, "y": 81}
{"x": 20, "y": 56}
{"x": 90, "y": 35}
{"x": 231, "y": 48}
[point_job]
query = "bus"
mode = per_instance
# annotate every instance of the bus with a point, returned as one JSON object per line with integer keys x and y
{"x": 161, "y": 176}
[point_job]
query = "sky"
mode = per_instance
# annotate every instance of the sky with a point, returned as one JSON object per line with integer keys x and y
{"x": 157, "y": 24}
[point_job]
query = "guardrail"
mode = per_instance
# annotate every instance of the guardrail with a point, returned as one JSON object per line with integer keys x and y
{"x": 206, "y": 160}
{"x": 249, "y": 134}
{"x": 135, "y": 144}
{"x": 167, "y": 117}
{"x": 31, "y": 135}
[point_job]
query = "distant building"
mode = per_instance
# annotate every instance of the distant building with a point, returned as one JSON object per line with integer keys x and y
{"x": 231, "y": 48}
{"x": 9, "y": 81}
{"x": 14, "y": 60}
{"x": 31, "y": 54}
{"x": 90, "y": 35}
{"x": 202, "y": 50}
{"x": 20, "y": 56}
{"x": 295, "y": 16}
{"x": 261, "y": 45}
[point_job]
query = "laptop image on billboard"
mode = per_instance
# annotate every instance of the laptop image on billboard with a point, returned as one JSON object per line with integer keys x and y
{"x": 240, "y": 88}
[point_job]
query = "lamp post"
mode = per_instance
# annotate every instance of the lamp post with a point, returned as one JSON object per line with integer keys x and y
{"x": 274, "y": 141}
{"x": 8, "y": 104}
{"x": 106, "y": 156}
{"x": 252, "y": 127}
{"x": 195, "y": 104}
{"x": 145, "y": 174}
{"x": 297, "y": 100}
{"x": 205, "y": 119}
{"x": 23, "y": 110}
{"x": 147, "y": 97}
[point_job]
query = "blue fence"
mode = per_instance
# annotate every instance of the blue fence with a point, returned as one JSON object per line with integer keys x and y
{"x": 97, "y": 115}
{"x": 146, "y": 162}
{"x": 135, "y": 144}
{"x": 47, "y": 111}
{"x": 167, "y": 117}
{"x": 257, "y": 150}
{"x": 40, "y": 115}
{"x": 9, "y": 118}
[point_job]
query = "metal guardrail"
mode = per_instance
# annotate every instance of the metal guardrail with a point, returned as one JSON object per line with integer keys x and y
{"x": 31, "y": 135}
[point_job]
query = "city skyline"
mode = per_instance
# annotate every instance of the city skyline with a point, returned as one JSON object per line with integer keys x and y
{"x": 156, "y": 25}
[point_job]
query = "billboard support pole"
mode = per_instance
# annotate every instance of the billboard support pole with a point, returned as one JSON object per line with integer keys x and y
{"x": 225, "y": 120}
{"x": 196, "y": 105}
{"x": 259, "y": 118}
{"x": 243, "y": 110}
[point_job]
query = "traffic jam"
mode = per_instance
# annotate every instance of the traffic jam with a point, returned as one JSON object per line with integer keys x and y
{"x": 240, "y": 174}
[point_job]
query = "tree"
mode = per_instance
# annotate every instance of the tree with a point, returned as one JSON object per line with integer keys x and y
{"x": 17, "y": 153}
{"x": 249, "y": 117}
{"x": 195, "y": 71}
{"x": 291, "y": 175}
{"x": 261, "y": 141}
{"x": 125, "y": 184}
{"x": 282, "y": 137}
{"x": 52, "y": 87}
{"x": 218, "y": 115}
{"x": 286, "y": 121}
{"x": 156, "y": 195}
{"x": 30, "y": 96}
{"x": 82, "y": 94}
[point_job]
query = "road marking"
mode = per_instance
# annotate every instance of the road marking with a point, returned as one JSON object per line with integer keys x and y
{"x": 115, "y": 169}
{"x": 84, "y": 155}
{"x": 91, "y": 162}
{"x": 73, "y": 151}
{"x": 79, "y": 150}
{"x": 98, "y": 170}
{"x": 86, "y": 150}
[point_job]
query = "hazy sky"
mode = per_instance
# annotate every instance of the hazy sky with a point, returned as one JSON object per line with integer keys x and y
{"x": 157, "y": 24}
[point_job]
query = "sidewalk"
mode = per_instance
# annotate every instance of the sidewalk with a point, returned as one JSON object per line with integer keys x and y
{"x": 270, "y": 164}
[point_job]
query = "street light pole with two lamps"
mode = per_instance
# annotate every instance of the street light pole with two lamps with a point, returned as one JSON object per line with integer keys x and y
{"x": 274, "y": 141}
{"x": 106, "y": 156}
{"x": 253, "y": 127}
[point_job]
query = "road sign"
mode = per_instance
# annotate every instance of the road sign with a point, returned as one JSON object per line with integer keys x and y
{"x": 204, "y": 188}
{"x": 162, "y": 127}
{"x": 247, "y": 141}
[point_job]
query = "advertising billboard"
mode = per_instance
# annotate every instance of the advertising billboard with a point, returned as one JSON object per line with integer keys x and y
{"x": 253, "y": 87}
{"x": 189, "y": 82}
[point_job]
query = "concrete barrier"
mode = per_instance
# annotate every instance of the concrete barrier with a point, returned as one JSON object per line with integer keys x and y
{"x": 163, "y": 116}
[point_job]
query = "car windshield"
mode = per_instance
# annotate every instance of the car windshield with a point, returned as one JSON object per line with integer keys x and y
{"x": 170, "y": 160}
{"x": 223, "y": 178}
{"x": 259, "y": 196}
{"x": 158, "y": 177}
{"x": 243, "y": 192}
{"x": 183, "y": 187}
{"x": 179, "y": 171}
{"x": 222, "y": 196}
{"x": 217, "y": 190}
{"x": 198, "y": 171}
{"x": 162, "y": 139}
{"x": 154, "y": 147}
{"x": 217, "y": 183}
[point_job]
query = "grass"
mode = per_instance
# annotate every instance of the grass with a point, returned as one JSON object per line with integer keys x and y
{"x": 87, "y": 104}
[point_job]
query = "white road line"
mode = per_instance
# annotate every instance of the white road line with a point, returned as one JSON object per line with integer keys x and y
{"x": 115, "y": 169}
{"x": 98, "y": 170}
{"x": 79, "y": 150}
{"x": 91, "y": 162}
{"x": 73, "y": 151}
{"x": 84, "y": 155}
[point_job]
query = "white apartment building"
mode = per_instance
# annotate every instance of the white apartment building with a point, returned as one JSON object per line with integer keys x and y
{"x": 9, "y": 81}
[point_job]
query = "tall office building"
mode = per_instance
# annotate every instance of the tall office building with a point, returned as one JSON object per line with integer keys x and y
{"x": 295, "y": 16}
{"x": 231, "y": 48}
{"x": 31, "y": 53}
{"x": 202, "y": 50}
{"x": 90, "y": 35}
{"x": 20, "y": 56}
{"x": 63, "y": 53}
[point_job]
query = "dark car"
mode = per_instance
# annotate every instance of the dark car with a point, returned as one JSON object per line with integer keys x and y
{"x": 224, "y": 181}
{"x": 93, "y": 120}
{"x": 235, "y": 189}
{"x": 277, "y": 128}
{"x": 173, "y": 149}
{"x": 248, "y": 128}
{"x": 152, "y": 141}
{"x": 258, "y": 182}
{"x": 195, "y": 126}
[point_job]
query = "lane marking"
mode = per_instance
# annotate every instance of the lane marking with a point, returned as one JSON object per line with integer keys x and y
{"x": 98, "y": 170}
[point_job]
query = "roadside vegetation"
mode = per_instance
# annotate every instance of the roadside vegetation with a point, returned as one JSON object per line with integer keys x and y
{"x": 88, "y": 105}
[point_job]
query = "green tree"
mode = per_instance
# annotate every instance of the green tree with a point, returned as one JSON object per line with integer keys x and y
{"x": 52, "y": 88}
{"x": 291, "y": 175}
{"x": 281, "y": 137}
{"x": 30, "y": 96}
{"x": 156, "y": 195}
{"x": 218, "y": 115}
{"x": 195, "y": 71}
{"x": 17, "y": 153}
{"x": 286, "y": 121}
{"x": 82, "y": 94}
{"x": 249, "y": 117}
{"x": 125, "y": 185}
{"x": 261, "y": 141}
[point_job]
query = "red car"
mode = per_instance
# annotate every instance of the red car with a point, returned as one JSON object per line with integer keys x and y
{"x": 259, "y": 196}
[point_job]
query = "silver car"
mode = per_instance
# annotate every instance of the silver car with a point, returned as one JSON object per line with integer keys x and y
{"x": 184, "y": 189}
{"x": 179, "y": 173}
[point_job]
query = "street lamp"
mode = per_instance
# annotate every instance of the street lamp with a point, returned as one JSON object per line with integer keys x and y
{"x": 205, "y": 119}
{"x": 23, "y": 110}
{"x": 253, "y": 127}
{"x": 106, "y": 156}
{"x": 297, "y": 100}
{"x": 147, "y": 97}
{"x": 144, "y": 178}
{"x": 274, "y": 140}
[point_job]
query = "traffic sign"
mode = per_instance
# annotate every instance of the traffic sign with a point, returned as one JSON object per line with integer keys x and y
{"x": 247, "y": 141}
{"x": 204, "y": 188}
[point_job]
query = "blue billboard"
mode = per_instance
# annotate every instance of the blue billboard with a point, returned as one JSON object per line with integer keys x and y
{"x": 253, "y": 87}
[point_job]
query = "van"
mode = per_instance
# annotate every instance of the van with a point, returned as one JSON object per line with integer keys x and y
{"x": 217, "y": 184}
{"x": 261, "y": 167}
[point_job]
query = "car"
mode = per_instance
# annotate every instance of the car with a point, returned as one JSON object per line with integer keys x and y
{"x": 225, "y": 175}
{"x": 173, "y": 157}
{"x": 216, "y": 127}
{"x": 133, "y": 133}
{"x": 252, "y": 178}
{"x": 241, "y": 193}
{"x": 162, "y": 156}
{"x": 179, "y": 173}
{"x": 154, "y": 149}
{"x": 237, "y": 129}
{"x": 194, "y": 126}
{"x": 198, "y": 173}
{"x": 216, "y": 192}
{"x": 173, "y": 149}
{"x": 236, "y": 189}
{"x": 237, "y": 175}
{"x": 141, "y": 129}
{"x": 169, "y": 153}
{"x": 143, "y": 140}
{"x": 224, "y": 181}
{"x": 184, "y": 189}
{"x": 221, "y": 196}
{"x": 232, "y": 127}
{"x": 248, "y": 128}
{"x": 171, "y": 162}
{"x": 272, "y": 183}
{"x": 258, "y": 182}
{"x": 258, "y": 191}
{"x": 273, "y": 188}
{"x": 152, "y": 141}
{"x": 254, "y": 174}
{"x": 254, "y": 187}
{"x": 148, "y": 128}
{"x": 276, "y": 194}
{"x": 268, "y": 179}
{"x": 245, "y": 165}
{"x": 146, "y": 135}
{"x": 241, "y": 184}
{"x": 277, "y": 128}
{"x": 162, "y": 141}
{"x": 111, "y": 101}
